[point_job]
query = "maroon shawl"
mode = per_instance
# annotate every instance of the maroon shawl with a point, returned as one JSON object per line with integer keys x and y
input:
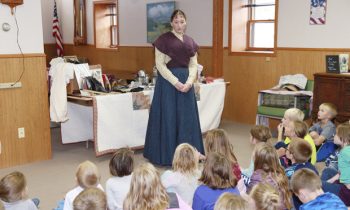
{"x": 179, "y": 51}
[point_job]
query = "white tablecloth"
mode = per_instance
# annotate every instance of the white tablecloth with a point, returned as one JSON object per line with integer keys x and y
{"x": 112, "y": 123}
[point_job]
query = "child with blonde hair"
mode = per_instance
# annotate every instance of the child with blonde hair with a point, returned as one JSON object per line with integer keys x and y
{"x": 217, "y": 178}
{"x": 264, "y": 197}
{"x": 267, "y": 169}
{"x": 87, "y": 175}
{"x": 90, "y": 198}
{"x": 148, "y": 193}
{"x": 13, "y": 192}
{"x": 292, "y": 114}
{"x": 121, "y": 166}
{"x": 183, "y": 178}
{"x": 308, "y": 187}
{"x": 323, "y": 131}
{"x": 228, "y": 201}
{"x": 258, "y": 134}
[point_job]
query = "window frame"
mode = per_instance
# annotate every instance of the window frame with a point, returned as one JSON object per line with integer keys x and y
{"x": 247, "y": 50}
{"x": 99, "y": 6}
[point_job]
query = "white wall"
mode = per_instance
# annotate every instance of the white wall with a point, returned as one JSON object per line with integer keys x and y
{"x": 132, "y": 21}
{"x": 294, "y": 29}
{"x": 29, "y": 21}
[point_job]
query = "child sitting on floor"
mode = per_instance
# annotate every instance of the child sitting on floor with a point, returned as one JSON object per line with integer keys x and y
{"x": 216, "y": 140}
{"x": 183, "y": 179}
{"x": 228, "y": 201}
{"x": 298, "y": 129}
{"x": 13, "y": 192}
{"x": 120, "y": 166}
{"x": 258, "y": 134}
{"x": 264, "y": 197}
{"x": 217, "y": 178}
{"x": 87, "y": 175}
{"x": 267, "y": 169}
{"x": 147, "y": 192}
{"x": 298, "y": 152}
{"x": 342, "y": 138}
{"x": 308, "y": 187}
{"x": 323, "y": 131}
{"x": 90, "y": 198}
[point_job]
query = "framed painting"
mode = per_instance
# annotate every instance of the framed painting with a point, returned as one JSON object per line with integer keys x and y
{"x": 158, "y": 19}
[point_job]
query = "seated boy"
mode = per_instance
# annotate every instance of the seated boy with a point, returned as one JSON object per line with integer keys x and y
{"x": 299, "y": 152}
{"x": 308, "y": 187}
{"x": 323, "y": 131}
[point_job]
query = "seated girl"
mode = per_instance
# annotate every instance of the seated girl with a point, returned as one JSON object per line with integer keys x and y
{"x": 216, "y": 179}
{"x": 267, "y": 169}
{"x": 147, "y": 192}
{"x": 183, "y": 179}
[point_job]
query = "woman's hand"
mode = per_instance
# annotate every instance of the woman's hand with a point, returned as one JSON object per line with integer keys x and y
{"x": 179, "y": 86}
{"x": 186, "y": 87}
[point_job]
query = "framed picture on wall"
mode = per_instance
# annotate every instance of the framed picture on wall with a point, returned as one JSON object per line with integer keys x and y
{"x": 158, "y": 19}
{"x": 318, "y": 12}
{"x": 332, "y": 64}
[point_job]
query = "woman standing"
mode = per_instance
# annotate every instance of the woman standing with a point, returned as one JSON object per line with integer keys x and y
{"x": 173, "y": 116}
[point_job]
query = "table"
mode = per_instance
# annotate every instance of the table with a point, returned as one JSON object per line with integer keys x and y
{"x": 111, "y": 122}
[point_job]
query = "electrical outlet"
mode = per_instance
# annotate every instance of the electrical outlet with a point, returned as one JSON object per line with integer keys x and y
{"x": 21, "y": 133}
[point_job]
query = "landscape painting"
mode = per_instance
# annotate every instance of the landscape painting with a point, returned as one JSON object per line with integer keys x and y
{"x": 158, "y": 19}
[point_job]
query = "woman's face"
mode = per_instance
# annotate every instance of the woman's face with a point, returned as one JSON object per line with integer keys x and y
{"x": 179, "y": 24}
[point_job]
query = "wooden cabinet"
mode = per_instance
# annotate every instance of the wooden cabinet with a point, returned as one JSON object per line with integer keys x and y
{"x": 333, "y": 88}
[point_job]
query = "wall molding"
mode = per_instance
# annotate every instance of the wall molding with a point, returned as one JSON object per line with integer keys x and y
{"x": 313, "y": 49}
{"x": 26, "y": 55}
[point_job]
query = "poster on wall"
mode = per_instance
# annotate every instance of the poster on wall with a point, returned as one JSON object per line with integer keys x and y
{"x": 158, "y": 19}
{"x": 318, "y": 12}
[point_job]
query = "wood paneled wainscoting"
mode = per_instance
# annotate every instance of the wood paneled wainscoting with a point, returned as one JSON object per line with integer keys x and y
{"x": 125, "y": 58}
{"x": 249, "y": 74}
{"x": 25, "y": 107}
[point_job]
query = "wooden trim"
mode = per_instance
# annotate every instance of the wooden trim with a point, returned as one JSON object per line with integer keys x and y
{"x": 29, "y": 55}
{"x": 229, "y": 25}
{"x": 314, "y": 49}
{"x": 125, "y": 46}
{"x": 253, "y": 53}
{"x": 276, "y": 25}
{"x": 217, "y": 55}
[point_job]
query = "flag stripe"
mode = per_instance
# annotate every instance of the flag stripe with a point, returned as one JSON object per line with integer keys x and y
{"x": 56, "y": 32}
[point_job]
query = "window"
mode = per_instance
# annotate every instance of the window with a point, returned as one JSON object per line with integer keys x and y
{"x": 252, "y": 24}
{"x": 106, "y": 24}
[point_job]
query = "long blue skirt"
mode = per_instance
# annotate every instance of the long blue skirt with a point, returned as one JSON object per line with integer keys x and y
{"x": 173, "y": 120}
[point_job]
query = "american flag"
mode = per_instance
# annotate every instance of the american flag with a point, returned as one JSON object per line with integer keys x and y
{"x": 318, "y": 12}
{"x": 56, "y": 32}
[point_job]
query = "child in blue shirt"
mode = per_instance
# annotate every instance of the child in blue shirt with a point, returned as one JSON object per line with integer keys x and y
{"x": 323, "y": 131}
{"x": 308, "y": 187}
{"x": 216, "y": 179}
{"x": 298, "y": 152}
